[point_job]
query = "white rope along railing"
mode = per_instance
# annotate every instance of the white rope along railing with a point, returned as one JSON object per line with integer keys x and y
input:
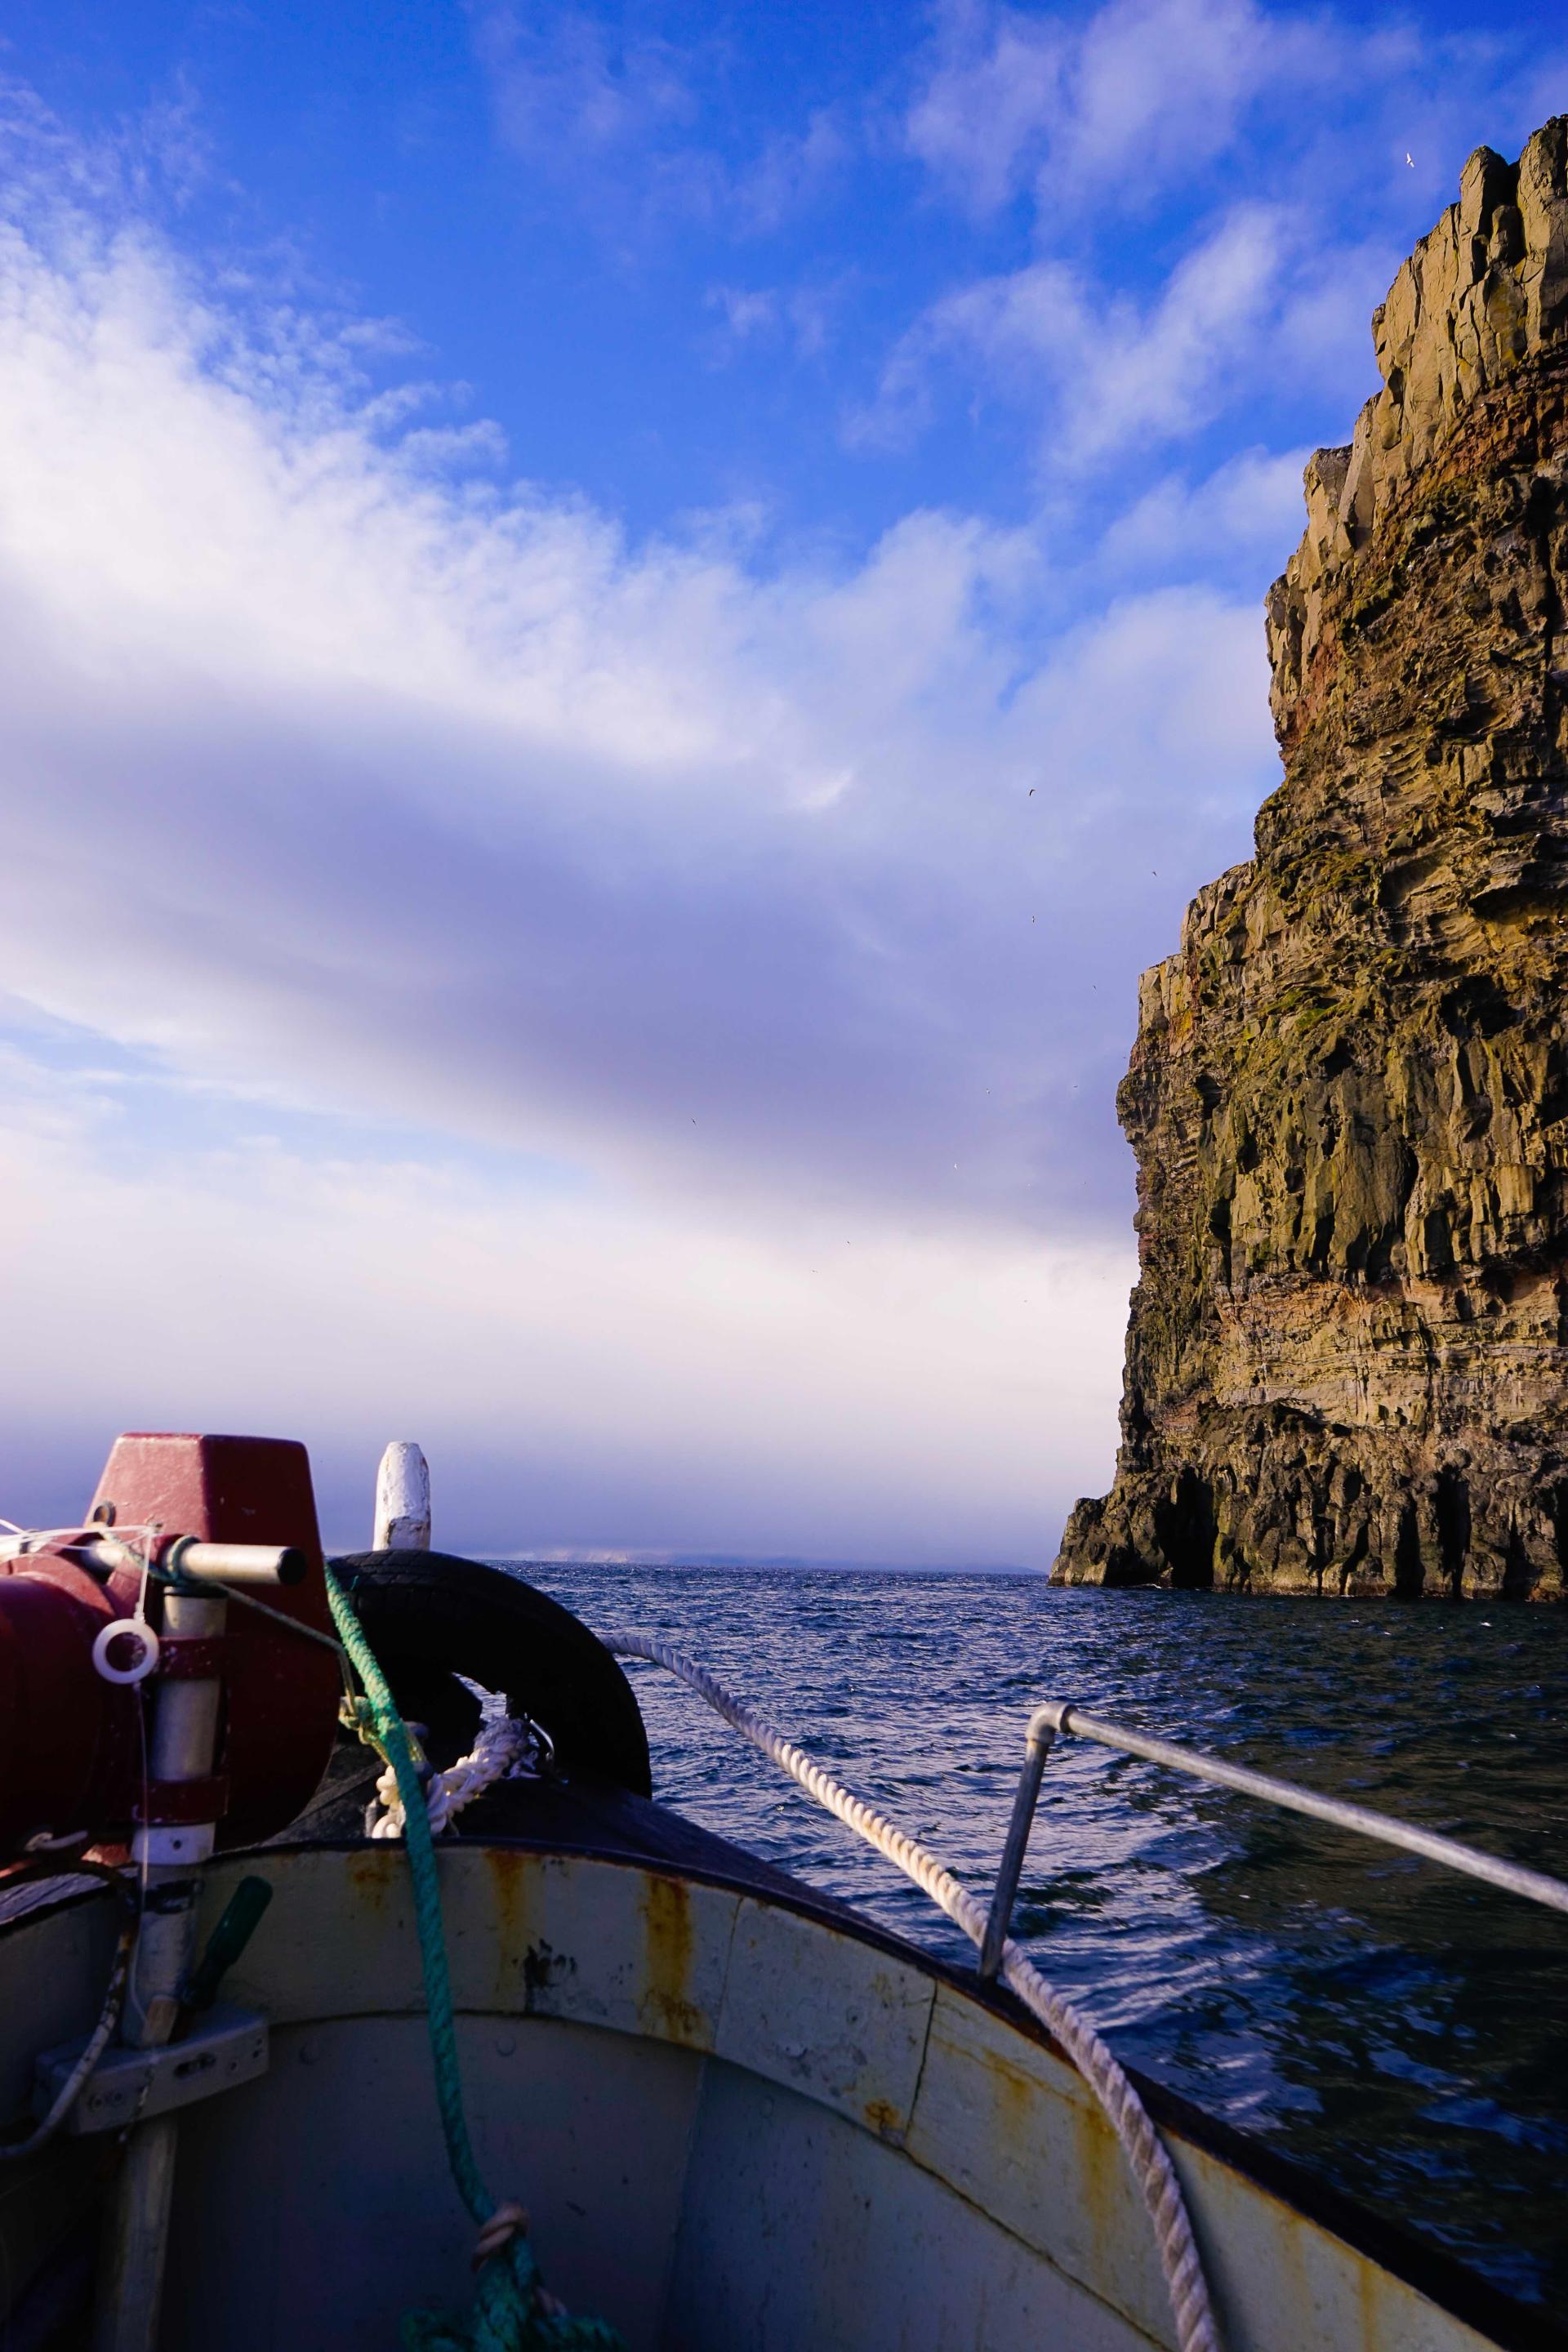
{"x": 1145, "y": 2152}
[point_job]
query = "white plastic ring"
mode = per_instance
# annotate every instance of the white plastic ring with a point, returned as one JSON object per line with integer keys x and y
{"x": 135, "y": 1629}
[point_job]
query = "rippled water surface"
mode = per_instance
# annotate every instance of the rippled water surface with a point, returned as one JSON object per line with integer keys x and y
{"x": 1403, "y": 2031}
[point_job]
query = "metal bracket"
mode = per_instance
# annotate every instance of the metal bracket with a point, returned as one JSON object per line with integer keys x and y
{"x": 126, "y": 2087}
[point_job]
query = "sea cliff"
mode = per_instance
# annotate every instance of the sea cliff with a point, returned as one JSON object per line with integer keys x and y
{"x": 1347, "y": 1361}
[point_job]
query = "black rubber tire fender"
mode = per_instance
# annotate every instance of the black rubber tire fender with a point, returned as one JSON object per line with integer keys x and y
{"x": 429, "y": 1610}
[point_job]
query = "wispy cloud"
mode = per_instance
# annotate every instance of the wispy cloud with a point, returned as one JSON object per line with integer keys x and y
{"x": 792, "y": 170}
{"x": 1207, "y": 190}
{"x": 563, "y": 84}
{"x": 448, "y": 796}
{"x": 799, "y": 318}
{"x": 1101, "y": 371}
{"x": 1250, "y": 507}
{"x": 653, "y": 1000}
{"x": 1110, "y": 108}
{"x": 636, "y": 130}
{"x": 984, "y": 112}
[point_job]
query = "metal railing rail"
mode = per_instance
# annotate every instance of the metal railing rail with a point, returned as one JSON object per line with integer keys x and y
{"x": 1060, "y": 1715}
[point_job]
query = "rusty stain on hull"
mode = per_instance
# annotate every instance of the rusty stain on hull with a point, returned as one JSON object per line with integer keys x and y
{"x": 1012, "y": 2093}
{"x": 511, "y": 1875}
{"x": 1102, "y": 2178}
{"x": 664, "y": 2003}
{"x": 369, "y": 1876}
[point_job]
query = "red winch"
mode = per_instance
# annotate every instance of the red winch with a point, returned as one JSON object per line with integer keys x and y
{"x": 90, "y": 1626}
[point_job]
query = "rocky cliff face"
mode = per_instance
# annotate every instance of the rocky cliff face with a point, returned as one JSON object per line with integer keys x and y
{"x": 1347, "y": 1365}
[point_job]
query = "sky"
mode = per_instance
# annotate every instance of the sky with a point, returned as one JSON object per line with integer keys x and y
{"x": 621, "y": 628}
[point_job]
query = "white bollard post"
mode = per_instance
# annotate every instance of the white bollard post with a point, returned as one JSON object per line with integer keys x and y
{"x": 402, "y": 1499}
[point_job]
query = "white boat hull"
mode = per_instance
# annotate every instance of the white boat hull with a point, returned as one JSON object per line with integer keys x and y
{"x": 736, "y": 2119}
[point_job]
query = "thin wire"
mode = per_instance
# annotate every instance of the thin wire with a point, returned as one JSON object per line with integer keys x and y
{"x": 79, "y": 1537}
{"x": 232, "y": 1593}
{"x": 144, "y": 1864}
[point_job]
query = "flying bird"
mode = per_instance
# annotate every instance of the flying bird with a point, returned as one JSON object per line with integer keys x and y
{"x": 1410, "y": 159}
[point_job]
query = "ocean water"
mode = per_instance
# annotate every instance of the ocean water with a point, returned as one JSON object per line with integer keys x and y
{"x": 1402, "y": 2031}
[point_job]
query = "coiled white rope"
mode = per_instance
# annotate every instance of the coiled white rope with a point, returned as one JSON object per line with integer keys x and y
{"x": 1145, "y": 2152}
{"x": 508, "y": 1748}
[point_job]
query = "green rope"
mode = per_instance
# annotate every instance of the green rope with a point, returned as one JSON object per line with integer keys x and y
{"x": 512, "y": 2312}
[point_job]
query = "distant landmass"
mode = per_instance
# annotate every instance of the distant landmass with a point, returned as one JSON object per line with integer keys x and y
{"x": 740, "y": 1560}
{"x": 1347, "y": 1364}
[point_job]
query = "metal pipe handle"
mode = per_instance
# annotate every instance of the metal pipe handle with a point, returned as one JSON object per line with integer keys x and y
{"x": 232, "y": 1563}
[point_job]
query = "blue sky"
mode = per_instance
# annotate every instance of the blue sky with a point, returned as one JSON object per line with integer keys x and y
{"x": 623, "y": 630}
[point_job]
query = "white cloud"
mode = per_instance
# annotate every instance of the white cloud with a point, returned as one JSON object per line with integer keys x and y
{"x": 1101, "y": 373}
{"x": 641, "y": 132}
{"x": 518, "y": 963}
{"x": 1249, "y": 506}
{"x": 1148, "y": 672}
{"x": 391, "y": 792}
{"x": 682, "y": 915}
{"x": 579, "y": 1376}
{"x": 988, "y": 105}
{"x": 1141, "y": 93}
{"x": 564, "y": 87}
{"x": 796, "y": 317}
{"x": 749, "y": 312}
{"x": 792, "y": 170}
{"x": 1159, "y": 87}
{"x": 1266, "y": 146}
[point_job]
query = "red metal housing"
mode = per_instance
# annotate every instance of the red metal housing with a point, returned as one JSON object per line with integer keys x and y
{"x": 70, "y": 1743}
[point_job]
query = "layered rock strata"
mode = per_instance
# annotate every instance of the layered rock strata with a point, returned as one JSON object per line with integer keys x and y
{"x": 1347, "y": 1364}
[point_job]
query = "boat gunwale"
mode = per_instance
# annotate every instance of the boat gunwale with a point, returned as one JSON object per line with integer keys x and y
{"x": 1443, "y": 2278}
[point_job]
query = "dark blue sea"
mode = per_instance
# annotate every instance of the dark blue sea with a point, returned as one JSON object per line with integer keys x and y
{"x": 1401, "y": 2030}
